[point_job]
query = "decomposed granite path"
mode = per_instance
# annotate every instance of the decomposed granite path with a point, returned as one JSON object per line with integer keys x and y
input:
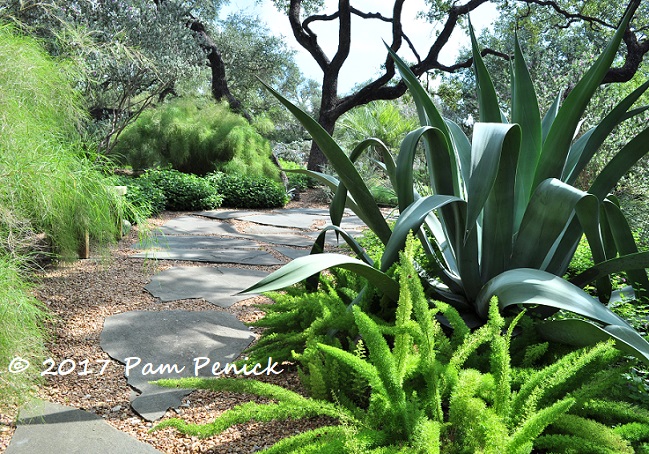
{"x": 175, "y": 344}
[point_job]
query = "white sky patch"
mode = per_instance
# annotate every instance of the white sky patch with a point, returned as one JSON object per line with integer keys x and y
{"x": 368, "y": 52}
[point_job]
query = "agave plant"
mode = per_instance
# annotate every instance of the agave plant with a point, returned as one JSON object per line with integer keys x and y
{"x": 504, "y": 219}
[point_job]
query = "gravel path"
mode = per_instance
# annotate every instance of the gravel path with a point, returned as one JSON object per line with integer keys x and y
{"x": 80, "y": 295}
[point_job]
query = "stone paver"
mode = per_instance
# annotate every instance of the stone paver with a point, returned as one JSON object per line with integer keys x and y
{"x": 170, "y": 344}
{"x": 237, "y": 256}
{"x": 161, "y": 242}
{"x": 46, "y": 428}
{"x": 192, "y": 225}
{"x": 216, "y": 285}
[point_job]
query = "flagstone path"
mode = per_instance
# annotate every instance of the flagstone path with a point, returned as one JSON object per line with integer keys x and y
{"x": 173, "y": 344}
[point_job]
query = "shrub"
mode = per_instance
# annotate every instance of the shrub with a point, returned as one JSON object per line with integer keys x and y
{"x": 182, "y": 191}
{"x": 196, "y": 136}
{"x": 240, "y": 191}
{"x": 143, "y": 194}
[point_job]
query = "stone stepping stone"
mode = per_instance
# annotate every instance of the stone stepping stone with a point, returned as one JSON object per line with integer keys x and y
{"x": 192, "y": 225}
{"x": 45, "y": 428}
{"x": 292, "y": 253}
{"x": 238, "y": 256}
{"x": 194, "y": 242}
{"x": 170, "y": 344}
{"x": 289, "y": 219}
{"x": 216, "y": 285}
{"x": 283, "y": 239}
{"x": 223, "y": 215}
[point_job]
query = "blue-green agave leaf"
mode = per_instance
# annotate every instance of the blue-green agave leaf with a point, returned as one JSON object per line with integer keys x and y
{"x": 549, "y": 212}
{"x": 525, "y": 112}
{"x": 347, "y": 173}
{"x": 581, "y": 333}
{"x": 302, "y": 267}
{"x": 532, "y": 287}
{"x": 487, "y": 98}
{"x": 586, "y": 146}
{"x": 560, "y": 136}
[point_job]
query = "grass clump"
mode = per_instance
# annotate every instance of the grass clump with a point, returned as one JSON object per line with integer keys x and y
{"x": 195, "y": 135}
{"x": 22, "y": 333}
{"x": 48, "y": 180}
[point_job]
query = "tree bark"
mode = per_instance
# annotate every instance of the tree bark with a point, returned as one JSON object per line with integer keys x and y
{"x": 220, "y": 89}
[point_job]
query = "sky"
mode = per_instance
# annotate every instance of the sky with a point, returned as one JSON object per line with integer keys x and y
{"x": 367, "y": 53}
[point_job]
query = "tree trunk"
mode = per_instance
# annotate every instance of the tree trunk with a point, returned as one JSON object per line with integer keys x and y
{"x": 317, "y": 159}
{"x": 220, "y": 89}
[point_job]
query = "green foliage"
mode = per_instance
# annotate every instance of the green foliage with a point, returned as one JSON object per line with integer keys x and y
{"x": 243, "y": 191}
{"x": 299, "y": 181}
{"x": 195, "y": 135}
{"x": 504, "y": 218}
{"x": 182, "y": 191}
{"x": 22, "y": 333}
{"x": 429, "y": 393}
{"x": 146, "y": 196}
{"x": 48, "y": 181}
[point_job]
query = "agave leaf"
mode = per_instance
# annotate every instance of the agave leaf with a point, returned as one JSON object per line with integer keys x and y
{"x": 585, "y": 148}
{"x": 412, "y": 219}
{"x": 557, "y": 143}
{"x": 337, "y": 207}
{"x": 621, "y": 163}
{"x": 625, "y": 244}
{"x": 487, "y": 98}
{"x": 581, "y": 333}
{"x": 318, "y": 245}
{"x": 368, "y": 209}
{"x": 636, "y": 261}
{"x": 302, "y": 267}
{"x": 440, "y": 164}
{"x": 332, "y": 183}
{"x": 525, "y": 112}
{"x": 493, "y": 145}
{"x": 462, "y": 148}
{"x": 428, "y": 113}
{"x": 491, "y": 191}
{"x": 588, "y": 209}
{"x": 550, "y": 116}
{"x": 532, "y": 287}
{"x": 549, "y": 212}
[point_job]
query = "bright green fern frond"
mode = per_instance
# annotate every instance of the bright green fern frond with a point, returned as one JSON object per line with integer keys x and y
{"x": 536, "y": 423}
{"x": 539, "y": 384}
{"x": 324, "y": 440}
{"x": 597, "y": 434}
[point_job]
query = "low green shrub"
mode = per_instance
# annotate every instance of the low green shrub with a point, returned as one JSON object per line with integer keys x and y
{"x": 248, "y": 191}
{"x": 299, "y": 181}
{"x": 182, "y": 191}
{"x": 195, "y": 135}
{"x": 146, "y": 196}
